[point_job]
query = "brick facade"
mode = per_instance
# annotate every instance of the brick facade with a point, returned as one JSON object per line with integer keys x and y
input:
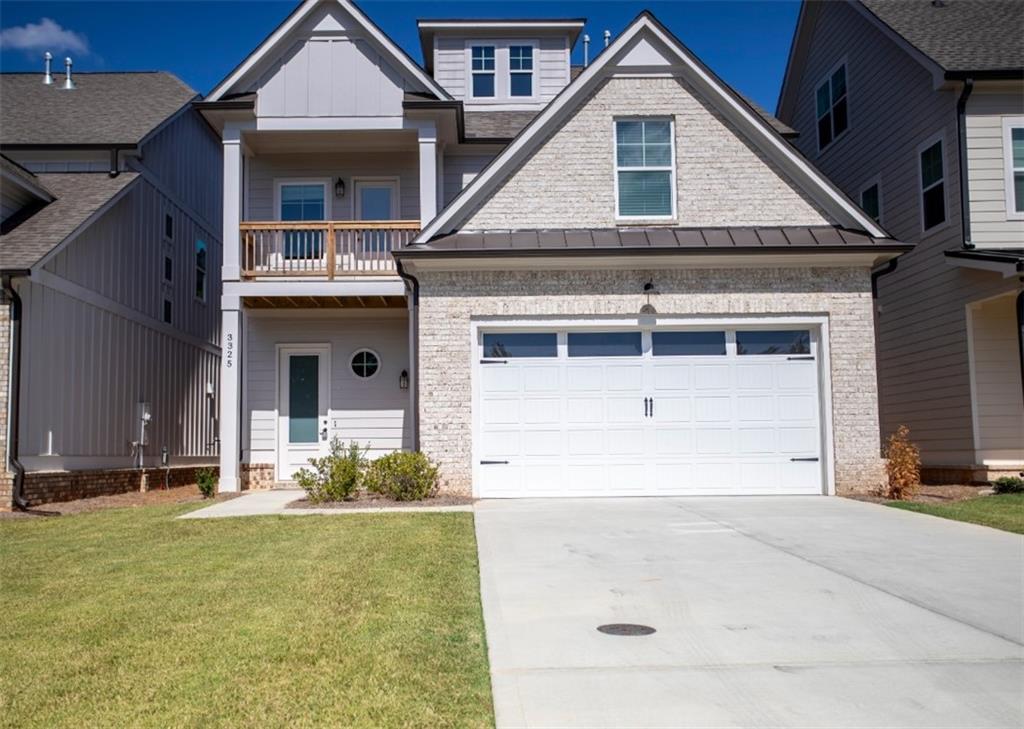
{"x": 257, "y": 476}
{"x": 450, "y": 300}
{"x": 722, "y": 179}
{"x": 46, "y": 487}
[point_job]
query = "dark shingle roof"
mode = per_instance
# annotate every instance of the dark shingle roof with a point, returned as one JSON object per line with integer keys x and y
{"x": 959, "y": 35}
{"x": 652, "y": 240}
{"x": 105, "y": 108}
{"x": 78, "y": 197}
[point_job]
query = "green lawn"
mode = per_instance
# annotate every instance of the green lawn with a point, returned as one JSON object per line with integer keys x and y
{"x": 129, "y": 617}
{"x": 1002, "y": 511}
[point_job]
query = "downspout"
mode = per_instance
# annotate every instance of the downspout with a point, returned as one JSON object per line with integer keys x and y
{"x": 889, "y": 267}
{"x": 413, "y": 285}
{"x": 14, "y": 389}
{"x": 961, "y": 135}
{"x": 1020, "y": 335}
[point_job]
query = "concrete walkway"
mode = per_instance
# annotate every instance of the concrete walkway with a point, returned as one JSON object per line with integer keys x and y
{"x": 265, "y": 503}
{"x": 770, "y": 612}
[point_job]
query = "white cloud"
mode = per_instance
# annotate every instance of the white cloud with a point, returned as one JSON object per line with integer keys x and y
{"x": 46, "y": 35}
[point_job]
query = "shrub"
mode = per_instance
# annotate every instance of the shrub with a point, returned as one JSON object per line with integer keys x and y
{"x": 1009, "y": 485}
{"x": 336, "y": 476}
{"x": 903, "y": 465}
{"x": 206, "y": 480}
{"x": 403, "y": 476}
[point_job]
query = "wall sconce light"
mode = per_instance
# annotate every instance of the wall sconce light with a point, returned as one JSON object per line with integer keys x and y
{"x": 339, "y": 188}
{"x": 403, "y": 380}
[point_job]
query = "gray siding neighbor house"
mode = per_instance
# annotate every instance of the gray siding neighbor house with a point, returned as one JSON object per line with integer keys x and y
{"x": 109, "y": 254}
{"x": 916, "y": 110}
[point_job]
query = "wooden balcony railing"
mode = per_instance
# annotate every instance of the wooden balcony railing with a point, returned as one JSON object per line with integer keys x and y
{"x": 323, "y": 249}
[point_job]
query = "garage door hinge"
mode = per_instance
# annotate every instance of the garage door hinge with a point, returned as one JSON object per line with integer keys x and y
{"x": 804, "y": 357}
{"x": 493, "y": 463}
{"x": 815, "y": 459}
{"x": 494, "y": 361}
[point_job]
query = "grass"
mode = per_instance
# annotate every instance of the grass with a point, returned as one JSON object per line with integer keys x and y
{"x": 1001, "y": 511}
{"x": 129, "y": 617}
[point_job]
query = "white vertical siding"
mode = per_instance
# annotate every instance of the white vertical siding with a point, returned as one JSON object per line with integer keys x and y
{"x": 373, "y": 412}
{"x": 991, "y": 226}
{"x": 995, "y": 369}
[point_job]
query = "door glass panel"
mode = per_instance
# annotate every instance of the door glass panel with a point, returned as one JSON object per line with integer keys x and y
{"x": 792, "y": 341}
{"x": 688, "y": 344}
{"x": 604, "y": 344}
{"x": 525, "y": 344}
{"x": 303, "y": 398}
{"x": 375, "y": 203}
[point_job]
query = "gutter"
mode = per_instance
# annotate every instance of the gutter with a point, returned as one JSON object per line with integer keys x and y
{"x": 961, "y": 137}
{"x": 413, "y": 285}
{"x": 14, "y": 389}
{"x": 1020, "y": 336}
{"x": 888, "y": 268}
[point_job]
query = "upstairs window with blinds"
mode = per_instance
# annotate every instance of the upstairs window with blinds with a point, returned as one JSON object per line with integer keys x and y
{"x": 644, "y": 168}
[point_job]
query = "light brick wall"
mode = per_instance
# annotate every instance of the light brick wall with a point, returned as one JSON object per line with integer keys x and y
{"x": 722, "y": 180}
{"x": 449, "y": 300}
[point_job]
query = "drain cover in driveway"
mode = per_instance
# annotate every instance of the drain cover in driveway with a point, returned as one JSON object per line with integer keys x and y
{"x": 625, "y": 629}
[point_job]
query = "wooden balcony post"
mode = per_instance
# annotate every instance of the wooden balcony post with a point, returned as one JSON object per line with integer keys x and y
{"x": 330, "y": 251}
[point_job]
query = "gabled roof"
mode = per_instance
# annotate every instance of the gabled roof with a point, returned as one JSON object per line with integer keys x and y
{"x": 115, "y": 109}
{"x": 647, "y": 27}
{"x": 14, "y": 174}
{"x": 79, "y": 196}
{"x": 303, "y": 11}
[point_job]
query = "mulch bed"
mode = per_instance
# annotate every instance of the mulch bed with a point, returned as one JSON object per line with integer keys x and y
{"x": 375, "y": 501}
{"x": 131, "y": 499}
{"x": 937, "y": 494}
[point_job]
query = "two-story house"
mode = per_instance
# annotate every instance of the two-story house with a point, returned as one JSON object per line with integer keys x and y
{"x": 916, "y": 110}
{"x": 604, "y": 281}
{"x": 109, "y": 257}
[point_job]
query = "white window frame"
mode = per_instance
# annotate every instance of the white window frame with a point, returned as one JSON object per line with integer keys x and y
{"x": 672, "y": 169}
{"x": 1009, "y": 124}
{"x": 376, "y": 372}
{"x": 927, "y": 144}
{"x": 396, "y": 198}
{"x": 873, "y": 182}
{"x": 196, "y": 269}
{"x": 827, "y": 78}
{"x": 534, "y": 75}
{"x": 470, "y": 73}
{"x": 324, "y": 182}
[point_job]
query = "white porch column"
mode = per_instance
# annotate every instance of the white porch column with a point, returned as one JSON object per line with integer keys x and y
{"x": 232, "y": 143}
{"x": 426, "y": 132}
{"x": 230, "y": 392}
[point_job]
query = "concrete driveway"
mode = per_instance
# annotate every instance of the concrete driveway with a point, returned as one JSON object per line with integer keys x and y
{"x": 770, "y": 612}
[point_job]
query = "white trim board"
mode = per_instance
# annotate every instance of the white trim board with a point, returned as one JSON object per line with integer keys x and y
{"x": 646, "y": 27}
{"x": 1009, "y": 124}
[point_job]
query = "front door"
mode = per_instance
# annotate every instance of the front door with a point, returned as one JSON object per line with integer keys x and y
{"x": 303, "y": 403}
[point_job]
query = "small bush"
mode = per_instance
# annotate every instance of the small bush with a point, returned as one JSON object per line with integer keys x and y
{"x": 1009, "y": 485}
{"x": 403, "y": 476}
{"x": 336, "y": 476}
{"x": 206, "y": 480}
{"x": 903, "y": 465}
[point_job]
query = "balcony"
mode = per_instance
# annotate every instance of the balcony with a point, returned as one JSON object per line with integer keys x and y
{"x": 323, "y": 249}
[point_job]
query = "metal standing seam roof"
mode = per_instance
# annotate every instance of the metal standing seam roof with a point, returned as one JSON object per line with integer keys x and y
{"x": 78, "y": 197}
{"x": 959, "y": 35}
{"x": 104, "y": 108}
{"x": 661, "y": 240}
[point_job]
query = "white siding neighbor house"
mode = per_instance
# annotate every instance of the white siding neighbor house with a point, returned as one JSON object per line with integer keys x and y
{"x": 109, "y": 256}
{"x": 554, "y": 281}
{"x": 923, "y": 125}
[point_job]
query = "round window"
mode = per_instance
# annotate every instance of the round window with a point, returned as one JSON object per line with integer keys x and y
{"x": 365, "y": 363}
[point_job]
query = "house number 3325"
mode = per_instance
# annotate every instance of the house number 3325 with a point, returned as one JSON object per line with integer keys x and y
{"x": 229, "y": 350}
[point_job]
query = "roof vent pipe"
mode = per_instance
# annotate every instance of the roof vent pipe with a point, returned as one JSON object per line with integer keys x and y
{"x": 47, "y": 76}
{"x": 607, "y": 38}
{"x": 586, "y": 50}
{"x": 68, "y": 83}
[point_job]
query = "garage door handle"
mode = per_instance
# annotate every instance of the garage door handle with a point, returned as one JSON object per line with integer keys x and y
{"x": 493, "y": 463}
{"x": 815, "y": 459}
{"x": 494, "y": 361}
{"x": 804, "y": 357}
{"x": 647, "y": 401}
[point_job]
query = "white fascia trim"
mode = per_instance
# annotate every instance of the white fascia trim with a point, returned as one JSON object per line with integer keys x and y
{"x": 297, "y": 17}
{"x": 490, "y": 24}
{"x": 326, "y": 123}
{"x": 359, "y": 286}
{"x": 474, "y": 192}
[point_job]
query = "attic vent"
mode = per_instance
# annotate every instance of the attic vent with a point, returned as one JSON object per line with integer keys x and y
{"x": 68, "y": 83}
{"x": 47, "y": 76}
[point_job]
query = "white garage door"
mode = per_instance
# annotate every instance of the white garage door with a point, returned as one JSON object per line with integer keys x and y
{"x": 647, "y": 412}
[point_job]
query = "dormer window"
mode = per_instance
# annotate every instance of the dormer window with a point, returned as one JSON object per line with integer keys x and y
{"x": 520, "y": 68}
{"x": 483, "y": 68}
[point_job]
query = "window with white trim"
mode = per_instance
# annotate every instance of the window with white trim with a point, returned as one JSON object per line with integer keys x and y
{"x": 830, "y": 106}
{"x": 482, "y": 66}
{"x": 871, "y": 201}
{"x": 1014, "y": 153}
{"x": 644, "y": 169}
{"x": 520, "y": 70}
{"x": 200, "y": 266}
{"x": 933, "y": 186}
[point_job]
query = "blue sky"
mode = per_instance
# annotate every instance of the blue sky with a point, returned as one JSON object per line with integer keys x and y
{"x": 201, "y": 41}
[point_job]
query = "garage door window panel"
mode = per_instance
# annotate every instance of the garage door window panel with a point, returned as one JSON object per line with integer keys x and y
{"x": 688, "y": 344}
{"x": 605, "y": 344}
{"x": 523, "y": 344}
{"x": 765, "y": 342}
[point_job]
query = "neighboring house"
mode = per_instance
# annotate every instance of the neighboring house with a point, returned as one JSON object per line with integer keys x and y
{"x": 109, "y": 253}
{"x": 916, "y": 110}
{"x": 619, "y": 280}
